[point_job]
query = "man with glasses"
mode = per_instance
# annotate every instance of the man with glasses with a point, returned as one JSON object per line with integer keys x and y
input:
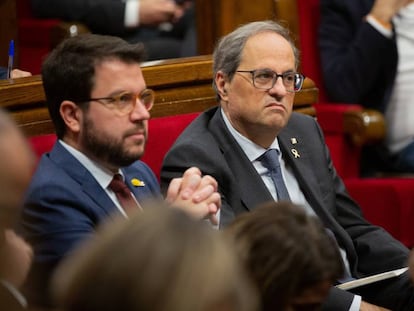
{"x": 259, "y": 150}
{"x": 99, "y": 103}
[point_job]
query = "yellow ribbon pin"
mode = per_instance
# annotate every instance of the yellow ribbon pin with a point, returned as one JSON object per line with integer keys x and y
{"x": 295, "y": 153}
{"x": 137, "y": 183}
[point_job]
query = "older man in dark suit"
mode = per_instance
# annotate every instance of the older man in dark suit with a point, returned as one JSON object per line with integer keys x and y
{"x": 255, "y": 78}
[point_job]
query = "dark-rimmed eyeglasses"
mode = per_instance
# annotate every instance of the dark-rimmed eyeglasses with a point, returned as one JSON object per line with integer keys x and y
{"x": 265, "y": 79}
{"x": 125, "y": 102}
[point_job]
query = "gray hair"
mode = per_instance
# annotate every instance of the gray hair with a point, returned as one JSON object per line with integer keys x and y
{"x": 227, "y": 54}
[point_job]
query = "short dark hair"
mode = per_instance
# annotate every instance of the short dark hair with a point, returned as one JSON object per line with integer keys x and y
{"x": 68, "y": 72}
{"x": 285, "y": 250}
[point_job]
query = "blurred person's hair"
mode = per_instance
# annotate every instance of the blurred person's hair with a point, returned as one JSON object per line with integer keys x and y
{"x": 285, "y": 250}
{"x": 160, "y": 259}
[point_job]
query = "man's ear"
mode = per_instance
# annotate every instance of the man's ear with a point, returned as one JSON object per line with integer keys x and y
{"x": 71, "y": 115}
{"x": 221, "y": 84}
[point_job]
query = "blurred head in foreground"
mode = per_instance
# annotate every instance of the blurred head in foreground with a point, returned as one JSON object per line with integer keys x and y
{"x": 157, "y": 260}
{"x": 288, "y": 254}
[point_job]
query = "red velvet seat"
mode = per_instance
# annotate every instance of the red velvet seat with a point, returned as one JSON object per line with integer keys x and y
{"x": 34, "y": 37}
{"x": 163, "y": 132}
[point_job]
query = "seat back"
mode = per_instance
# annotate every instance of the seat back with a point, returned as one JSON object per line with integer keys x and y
{"x": 162, "y": 133}
{"x": 34, "y": 37}
{"x": 309, "y": 18}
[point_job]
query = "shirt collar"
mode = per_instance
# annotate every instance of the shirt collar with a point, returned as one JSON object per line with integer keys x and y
{"x": 252, "y": 150}
{"x": 101, "y": 175}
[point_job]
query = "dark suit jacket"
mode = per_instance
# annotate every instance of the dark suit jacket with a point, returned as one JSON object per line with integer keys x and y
{"x": 8, "y": 302}
{"x": 208, "y": 144}
{"x": 358, "y": 63}
{"x": 64, "y": 205}
{"x": 3, "y": 73}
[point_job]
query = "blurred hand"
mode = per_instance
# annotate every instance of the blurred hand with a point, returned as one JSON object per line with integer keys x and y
{"x": 155, "y": 12}
{"x": 17, "y": 73}
{"x": 195, "y": 194}
{"x": 365, "y": 306}
{"x": 15, "y": 258}
{"x": 384, "y": 10}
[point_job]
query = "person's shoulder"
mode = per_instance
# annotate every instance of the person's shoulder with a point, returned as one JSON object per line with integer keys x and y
{"x": 301, "y": 118}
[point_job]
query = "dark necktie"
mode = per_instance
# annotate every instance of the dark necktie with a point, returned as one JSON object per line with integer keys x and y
{"x": 123, "y": 194}
{"x": 270, "y": 160}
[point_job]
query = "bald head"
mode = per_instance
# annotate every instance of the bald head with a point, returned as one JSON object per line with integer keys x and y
{"x": 16, "y": 167}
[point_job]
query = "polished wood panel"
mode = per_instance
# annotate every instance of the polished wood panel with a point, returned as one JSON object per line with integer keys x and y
{"x": 216, "y": 18}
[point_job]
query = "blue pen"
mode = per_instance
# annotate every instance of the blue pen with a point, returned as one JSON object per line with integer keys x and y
{"x": 11, "y": 57}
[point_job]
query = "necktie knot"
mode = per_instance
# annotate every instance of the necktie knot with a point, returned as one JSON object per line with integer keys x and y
{"x": 123, "y": 194}
{"x": 118, "y": 185}
{"x": 270, "y": 160}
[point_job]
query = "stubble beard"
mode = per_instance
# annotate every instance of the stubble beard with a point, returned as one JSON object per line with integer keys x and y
{"x": 107, "y": 149}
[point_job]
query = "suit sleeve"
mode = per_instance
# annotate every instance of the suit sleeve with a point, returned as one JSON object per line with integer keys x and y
{"x": 356, "y": 59}
{"x": 101, "y": 16}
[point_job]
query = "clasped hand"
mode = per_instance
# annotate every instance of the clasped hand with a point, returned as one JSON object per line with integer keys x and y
{"x": 195, "y": 194}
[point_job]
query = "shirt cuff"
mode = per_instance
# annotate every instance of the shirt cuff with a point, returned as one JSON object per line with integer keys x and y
{"x": 131, "y": 18}
{"x": 19, "y": 297}
{"x": 356, "y": 303}
{"x": 386, "y": 32}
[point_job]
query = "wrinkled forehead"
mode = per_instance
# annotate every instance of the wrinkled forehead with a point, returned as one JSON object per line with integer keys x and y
{"x": 267, "y": 48}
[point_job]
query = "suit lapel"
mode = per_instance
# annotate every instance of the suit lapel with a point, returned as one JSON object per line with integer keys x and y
{"x": 296, "y": 155}
{"x": 141, "y": 191}
{"x": 81, "y": 175}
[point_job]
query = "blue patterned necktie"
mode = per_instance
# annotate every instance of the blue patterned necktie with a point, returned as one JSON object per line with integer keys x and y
{"x": 270, "y": 160}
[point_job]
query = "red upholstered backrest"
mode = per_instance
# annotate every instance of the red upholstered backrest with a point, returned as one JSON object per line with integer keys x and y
{"x": 309, "y": 17}
{"x": 162, "y": 131}
{"x": 34, "y": 37}
{"x": 42, "y": 143}
{"x": 330, "y": 115}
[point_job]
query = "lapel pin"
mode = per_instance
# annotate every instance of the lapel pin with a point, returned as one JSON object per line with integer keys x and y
{"x": 293, "y": 140}
{"x": 295, "y": 153}
{"x": 137, "y": 183}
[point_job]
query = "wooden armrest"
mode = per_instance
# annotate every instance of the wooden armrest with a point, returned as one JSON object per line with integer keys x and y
{"x": 64, "y": 30}
{"x": 365, "y": 126}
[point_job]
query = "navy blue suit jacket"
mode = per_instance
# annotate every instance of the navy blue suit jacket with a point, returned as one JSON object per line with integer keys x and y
{"x": 64, "y": 205}
{"x": 358, "y": 63}
{"x": 208, "y": 144}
